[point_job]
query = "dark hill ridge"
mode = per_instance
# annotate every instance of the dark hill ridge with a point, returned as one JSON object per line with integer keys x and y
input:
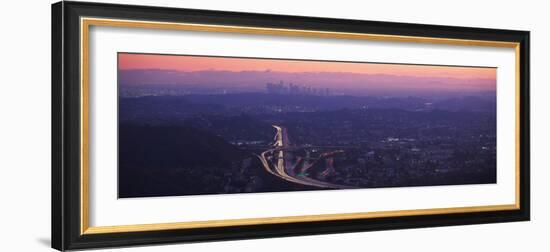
{"x": 183, "y": 160}
{"x": 255, "y": 102}
{"x": 168, "y": 146}
{"x": 311, "y": 101}
{"x": 163, "y": 108}
{"x": 234, "y": 128}
{"x": 165, "y": 160}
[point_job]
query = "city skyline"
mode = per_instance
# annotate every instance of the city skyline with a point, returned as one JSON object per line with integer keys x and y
{"x": 251, "y": 74}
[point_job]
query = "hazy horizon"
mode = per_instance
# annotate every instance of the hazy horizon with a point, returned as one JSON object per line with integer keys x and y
{"x": 252, "y": 75}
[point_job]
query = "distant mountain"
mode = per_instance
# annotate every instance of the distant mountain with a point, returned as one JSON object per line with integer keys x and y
{"x": 339, "y": 82}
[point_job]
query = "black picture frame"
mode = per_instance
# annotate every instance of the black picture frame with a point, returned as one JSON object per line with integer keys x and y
{"x": 66, "y": 125}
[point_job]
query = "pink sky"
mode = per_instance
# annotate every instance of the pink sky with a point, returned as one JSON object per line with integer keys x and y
{"x": 480, "y": 77}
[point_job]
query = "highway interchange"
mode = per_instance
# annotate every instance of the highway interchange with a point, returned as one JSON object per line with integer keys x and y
{"x": 282, "y": 167}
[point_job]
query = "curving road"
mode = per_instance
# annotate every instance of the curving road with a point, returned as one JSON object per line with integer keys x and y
{"x": 282, "y": 168}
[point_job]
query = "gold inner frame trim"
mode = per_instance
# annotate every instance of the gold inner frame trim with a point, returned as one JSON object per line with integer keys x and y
{"x": 289, "y": 219}
{"x": 86, "y": 23}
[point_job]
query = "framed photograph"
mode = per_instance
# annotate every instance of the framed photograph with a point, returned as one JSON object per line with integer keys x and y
{"x": 181, "y": 125}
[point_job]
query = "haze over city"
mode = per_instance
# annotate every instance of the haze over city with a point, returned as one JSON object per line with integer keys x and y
{"x": 194, "y": 125}
{"x": 345, "y": 78}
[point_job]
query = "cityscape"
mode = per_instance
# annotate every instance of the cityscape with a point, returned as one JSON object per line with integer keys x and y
{"x": 196, "y": 125}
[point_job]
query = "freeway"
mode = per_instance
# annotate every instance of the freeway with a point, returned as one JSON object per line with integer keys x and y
{"x": 282, "y": 168}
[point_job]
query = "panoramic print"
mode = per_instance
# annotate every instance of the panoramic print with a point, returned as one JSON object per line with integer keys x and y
{"x": 197, "y": 125}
